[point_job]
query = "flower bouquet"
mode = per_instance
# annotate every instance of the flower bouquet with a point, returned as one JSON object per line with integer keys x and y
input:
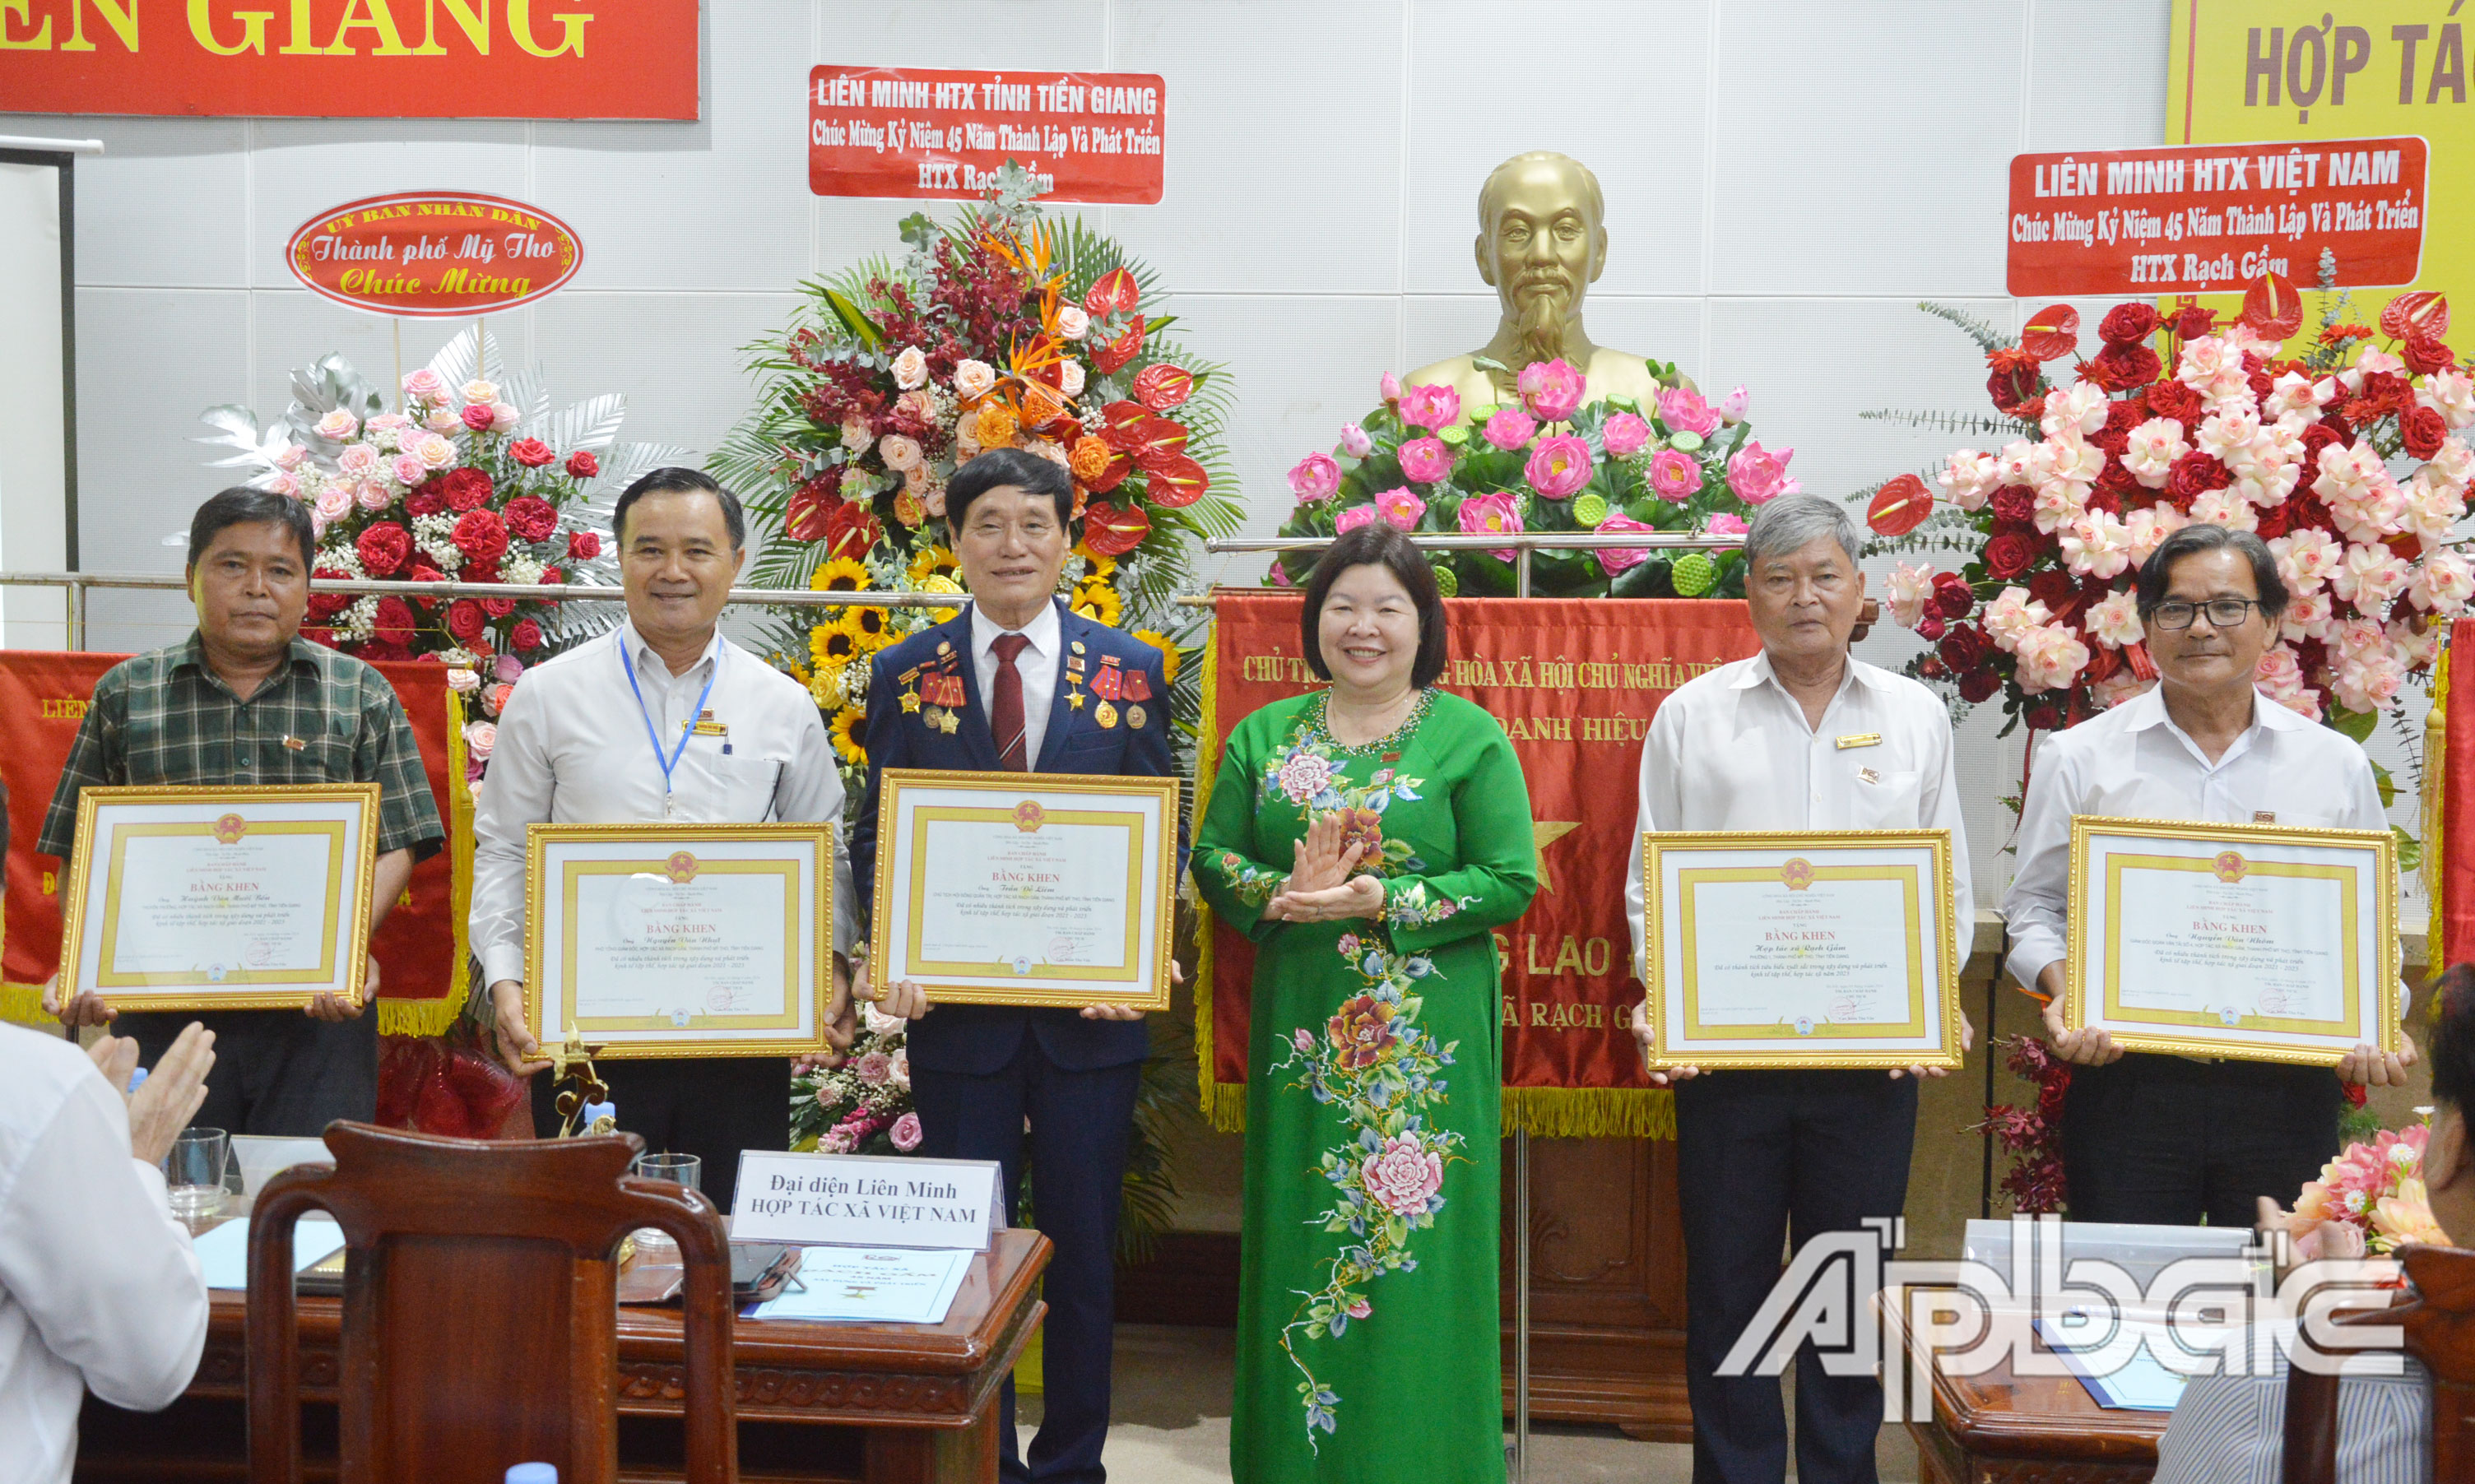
{"x": 2375, "y": 1187}
{"x": 863, "y": 1105}
{"x": 2345, "y": 456}
{"x": 1547, "y": 463}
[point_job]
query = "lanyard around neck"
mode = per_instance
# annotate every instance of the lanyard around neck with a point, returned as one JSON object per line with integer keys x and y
{"x": 669, "y": 760}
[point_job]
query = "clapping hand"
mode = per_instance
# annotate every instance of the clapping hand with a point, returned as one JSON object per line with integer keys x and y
{"x": 1320, "y": 887}
{"x": 170, "y": 1097}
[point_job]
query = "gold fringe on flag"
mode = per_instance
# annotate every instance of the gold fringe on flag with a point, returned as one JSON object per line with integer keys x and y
{"x": 2435, "y": 769}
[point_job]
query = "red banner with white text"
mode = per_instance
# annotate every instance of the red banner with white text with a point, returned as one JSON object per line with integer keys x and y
{"x": 1574, "y": 682}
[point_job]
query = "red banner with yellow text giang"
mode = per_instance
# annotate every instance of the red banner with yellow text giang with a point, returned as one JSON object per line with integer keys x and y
{"x": 43, "y": 696}
{"x": 1574, "y": 683}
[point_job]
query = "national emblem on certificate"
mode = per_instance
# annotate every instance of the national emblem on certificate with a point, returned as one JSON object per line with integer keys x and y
{"x": 1014, "y": 889}
{"x": 2260, "y": 942}
{"x": 1827, "y": 949}
{"x": 202, "y": 898}
{"x": 679, "y": 939}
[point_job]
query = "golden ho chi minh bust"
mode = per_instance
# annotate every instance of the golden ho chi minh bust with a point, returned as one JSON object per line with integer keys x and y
{"x": 1542, "y": 241}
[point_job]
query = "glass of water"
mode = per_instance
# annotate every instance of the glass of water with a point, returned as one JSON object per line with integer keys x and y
{"x": 194, "y": 1170}
{"x": 652, "y": 1243}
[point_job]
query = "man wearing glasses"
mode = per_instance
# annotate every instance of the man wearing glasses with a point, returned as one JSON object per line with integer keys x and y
{"x": 2168, "y": 1139}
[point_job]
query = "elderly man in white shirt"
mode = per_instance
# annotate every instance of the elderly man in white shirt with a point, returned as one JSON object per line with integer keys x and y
{"x": 99, "y": 1289}
{"x": 1803, "y": 736}
{"x": 2160, "y": 1139}
{"x": 662, "y": 719}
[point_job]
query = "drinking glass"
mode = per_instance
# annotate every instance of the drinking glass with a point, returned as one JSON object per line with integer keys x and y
{"x": 194, "y": 1170}
{"x": 654, "y": 1244}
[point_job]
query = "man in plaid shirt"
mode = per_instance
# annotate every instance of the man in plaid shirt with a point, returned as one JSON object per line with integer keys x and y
{"x": 246, "y": 701}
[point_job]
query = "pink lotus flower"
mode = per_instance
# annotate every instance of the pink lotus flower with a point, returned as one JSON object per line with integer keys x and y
{"x": 1314, "y": 479}
{"x": 1401, "y": 507}
{"x": 1355, "y": 442}
{"x": 1725, "y": 525}
{"x": 1559, "y": 465}
{"x": 1758, "y": 475}
{"x": 1624, "y": 435}
{"x": 1435, "y": 407}
{"x": 1491, "y": 515}
{"x": 1614, "y": 561}
{"x": 1426, "y": 460}
{"x": 1731, "y": 408}
{"x": 1674, "y": 474}
{"x": 1511, "y": 428}
{"x": 1683, "y": 411}
{"x": 905, "y": 1132}
{"x": 1551, "y": 389}
{"x": 1344, "y": 522}
{"x": 1279, "y": 575}
{"x": 1402, "y": 1176}
{"x": 1389, "y": 387}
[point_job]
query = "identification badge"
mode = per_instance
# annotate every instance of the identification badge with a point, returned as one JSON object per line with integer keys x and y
{"x": 1868, "y": 775}
{"x": 1860, "y": 740}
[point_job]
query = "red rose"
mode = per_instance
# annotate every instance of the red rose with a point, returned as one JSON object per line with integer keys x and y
{"x": 395, "y": 622}
{"x": 2275, "y": 521}
{"x": 532, "y": 453}
{"x": 2318, "y": 436}
{"x": 476, "y": 417}
{"x": 1931, "y": 668}
{"x": 1964, "y": 649}
{"x": 2055, "y": 587}
{"x": 2195, "y": 474}
{"x": 467, "y": 489}
{"x": 324, "y": 606}
{"x": 582, "y": 465}
{"x": 384, "y": 547}
{"x": 2049, "y": 717}
{"x": 423, "y": 571}
{"x": 427, "y": 498}
{"x": 482, "y": 537}
{"x": 465, "y": 619}
{"x": 2116, "y": 479}
{"x": 2423, "y": 431}
{"x": 2424, "y": 353}
{"x": 498, "y": 607}
{"x": 2171, "y": 398}
{"x": 583, "y": 546}
{"x": 2193, "y": 321}
{"x": 1929, "y": 627}
{"x": 1952, "y": 598}
{"x": 2015, "y": 504}
{"x": 2127, "y": 324}
{"x": 2122, "y": 367}
{"x": 527, "y": 636}
{"x": 2008, "y": 556}
{"x": 2011, "y": 390}
{"x": 1979, "y": 686}
{"x": 529, "y": 518}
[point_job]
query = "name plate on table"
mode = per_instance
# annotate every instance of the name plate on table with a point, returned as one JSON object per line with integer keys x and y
{"x": 195, "y": 899}
{"x": 2262, "y": 943}
{"x": 867, "y": 1201}
{"x": 1829, "y": 949}
{"x": 1025, "y": 889}
{"x": 680, "y": 939}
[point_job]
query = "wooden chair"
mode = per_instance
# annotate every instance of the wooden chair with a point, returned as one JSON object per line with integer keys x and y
{"x": 2439, "y": 1322}
{"x": 480, "y": 1308}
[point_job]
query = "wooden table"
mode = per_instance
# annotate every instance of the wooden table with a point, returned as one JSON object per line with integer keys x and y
{"x": 2000, "y": 1428}
{"x": 881, "y": 1403}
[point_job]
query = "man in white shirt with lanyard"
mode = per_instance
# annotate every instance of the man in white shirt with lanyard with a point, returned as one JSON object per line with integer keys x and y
{"x": 1803, "y": 736}
{"x": 2164, "y": 1139}
{"x": 662, "y": 719}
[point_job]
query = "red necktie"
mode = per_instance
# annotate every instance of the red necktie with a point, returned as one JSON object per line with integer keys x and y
{"x": 1007, "y": 709}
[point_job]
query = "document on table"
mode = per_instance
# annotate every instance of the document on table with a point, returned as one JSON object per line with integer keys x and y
{"x": 224, "y": 1250}
{"x": 2141, "y": 1384}
{"x": 871, "y": 1284}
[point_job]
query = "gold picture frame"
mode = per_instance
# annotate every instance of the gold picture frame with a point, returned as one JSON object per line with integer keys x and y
{"x": 2365, "y": 952}
{"x": 1027, "y": 803}
{"x": 802, "y": 856}
{"x": 91, "y": 907}
{"x": 1916, "y": 863}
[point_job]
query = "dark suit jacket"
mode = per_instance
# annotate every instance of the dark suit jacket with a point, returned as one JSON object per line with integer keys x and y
{"x": 979, "y": 1039}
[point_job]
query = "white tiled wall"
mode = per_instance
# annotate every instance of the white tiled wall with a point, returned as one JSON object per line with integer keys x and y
{"x": 1784, "y": 179}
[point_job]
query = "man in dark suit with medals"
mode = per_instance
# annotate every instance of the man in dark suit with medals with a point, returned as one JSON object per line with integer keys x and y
{"x": 1018, "y": 683}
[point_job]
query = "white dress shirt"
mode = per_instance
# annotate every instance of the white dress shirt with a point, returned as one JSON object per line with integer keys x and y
{"x": 98, "y": 1287}
{"x": 1732, "y": 750}
{"x": 2133, "y": 761}
{"x": 572, "y": 750}
{"x": 1036, "y": 664}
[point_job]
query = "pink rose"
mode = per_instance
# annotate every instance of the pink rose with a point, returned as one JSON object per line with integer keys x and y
{"x": 479, "y": 737}
{"x": 409, "y": 468}
{"x": 1559, "y": 465}
{"x": 1343, "y": 524}
{"x": 1436, "y": 407}
{"x": 284, "y": 484}
{"x": 290, "y": 455}
{"x": 1314, "y": 479}
{"x": 1551, "y": 389}
{"x": 1511, "y": 428}
{"x": 478, "y": 416}
{"x": 1403, "y": 1176}
{"x": 1625, "y": 434}
{"x": 1725, "y": 525}
{"x": 905, "y": 1132}
{"x": 506, "y": 668}
{"x": 873, "y": 1067}
{"x": 335, "y": 502}
{"x": 370, "y": 495}
{"x": 357, "y": 460}
{"x": 338, "y": 425}
{"x": 1401, "y": 507}
{"x": 433, "y": 451}
{"x": 1674, "y": 474}
{"x": 462, "y": 681}
{"x": 1758, "y": 475}
{"x": 1614, "y": 561}
{"x": 1683, "y": 409}
{"x": 1426, "y": 460}
{"x": 503, "y": 415}
{"x": 1355, "y": 442}
{"x": 424, "y": 385}
{"x": 1491, "y": 515}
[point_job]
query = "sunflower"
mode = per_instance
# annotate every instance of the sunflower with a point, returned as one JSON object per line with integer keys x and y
{"x": 829, "y": 646}
{"x": 841, "y": 574}
{"x": 932, "y": 561}
{"x": 1099, "y": 602}
{"x": 869, "y": 630}
{"x": 1169, "y": 652}
{"x": 845, "y": 730}
{"x": 1094, "y": 564}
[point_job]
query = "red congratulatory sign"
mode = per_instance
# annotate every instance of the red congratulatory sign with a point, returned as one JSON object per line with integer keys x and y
{"x": 434, "y": 254}
{"x": 351, "y": 59}
{"x": 2210, "y": 217}
{"x": 940, "y": 133}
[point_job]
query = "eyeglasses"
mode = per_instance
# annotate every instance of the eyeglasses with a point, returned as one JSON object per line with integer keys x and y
{"x": 2223, "y": 612}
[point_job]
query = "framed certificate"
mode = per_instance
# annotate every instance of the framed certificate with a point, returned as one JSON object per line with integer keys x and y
{"x": 2258, "y": 941}
{"x": 1830, "y": 949}
{"x": 679, "y": 939}
{"x": 1025, "y": 889}
{"x": 220, "y": 899}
